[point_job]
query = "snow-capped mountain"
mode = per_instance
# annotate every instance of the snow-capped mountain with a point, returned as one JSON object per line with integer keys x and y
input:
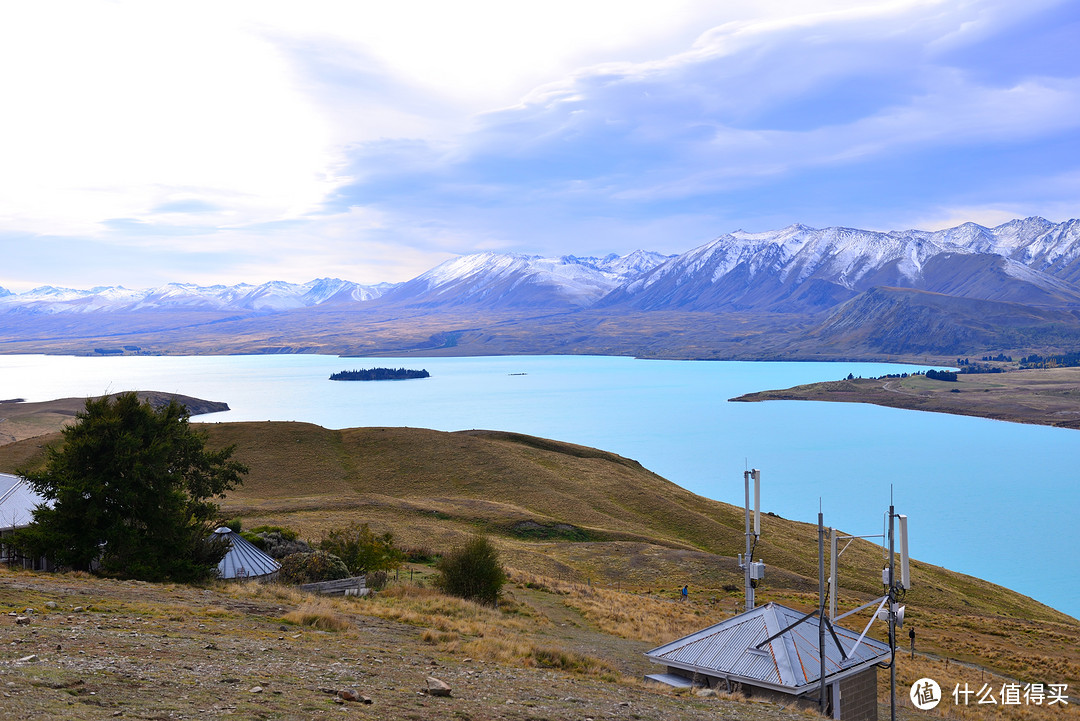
{"x": 805, "y": 269}
{"x": 272, "y": 296}
{"x": 797, "y": 269}
{"x": 510, "y": 280}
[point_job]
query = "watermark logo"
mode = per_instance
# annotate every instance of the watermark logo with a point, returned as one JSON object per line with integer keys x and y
{"x": 1013, "y": 694}
{"x": 925, "y": 694}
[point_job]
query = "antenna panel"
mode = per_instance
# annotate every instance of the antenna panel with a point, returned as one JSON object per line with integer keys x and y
{"x": 757, "y": 501}
{"x": 905, "y": 574}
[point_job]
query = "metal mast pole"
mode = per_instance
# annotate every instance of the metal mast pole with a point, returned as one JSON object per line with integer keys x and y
{"x": 892, "y": 617}
{"x": 833, "y": 584}
{"x": 749, "y": 550}
{"x": 821, "y": 608}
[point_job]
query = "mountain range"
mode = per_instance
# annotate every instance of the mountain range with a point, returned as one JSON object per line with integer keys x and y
{"x": 794, "y": 292}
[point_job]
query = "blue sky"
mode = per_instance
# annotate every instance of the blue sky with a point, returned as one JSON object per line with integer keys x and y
{"x": 210, "y": 142}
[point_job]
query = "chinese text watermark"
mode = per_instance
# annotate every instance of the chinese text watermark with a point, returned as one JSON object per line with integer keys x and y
{"x": 926, "y": 694}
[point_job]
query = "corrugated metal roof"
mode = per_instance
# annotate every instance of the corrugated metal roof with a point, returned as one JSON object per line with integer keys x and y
{"x": 729, "y": 649}
{"x": 243, "y": 560}
{"x": 17, "y": 502}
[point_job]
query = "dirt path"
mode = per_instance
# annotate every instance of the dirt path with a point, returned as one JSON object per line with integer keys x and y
{"x": 571, "y": 629}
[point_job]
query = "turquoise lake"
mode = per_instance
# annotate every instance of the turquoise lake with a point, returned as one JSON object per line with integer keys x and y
{"x": 987, "y": 498}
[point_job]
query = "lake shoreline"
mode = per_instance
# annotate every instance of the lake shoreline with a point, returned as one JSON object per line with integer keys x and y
{"x": 674, "y": 419}
{"x": 1049, "y": 397}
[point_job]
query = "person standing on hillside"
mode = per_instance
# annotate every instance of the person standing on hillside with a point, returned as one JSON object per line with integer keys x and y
{"x": 911, "y": 635}
{"x": 685, "y": 593}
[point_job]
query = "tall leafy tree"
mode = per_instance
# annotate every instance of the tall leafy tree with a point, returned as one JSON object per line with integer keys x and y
{"x": 131, "y": 489}
{"x": 361, "y": 550}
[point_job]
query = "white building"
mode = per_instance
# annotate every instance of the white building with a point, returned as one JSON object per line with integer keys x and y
{"x": 17, "y": 504}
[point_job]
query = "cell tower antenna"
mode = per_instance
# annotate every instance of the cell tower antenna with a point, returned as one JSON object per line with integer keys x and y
{"x": 752, "y": 572}
{"x": 894, "y": 531}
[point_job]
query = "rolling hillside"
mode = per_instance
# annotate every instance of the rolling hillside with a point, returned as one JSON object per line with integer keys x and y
{"x": 586, "y": 516}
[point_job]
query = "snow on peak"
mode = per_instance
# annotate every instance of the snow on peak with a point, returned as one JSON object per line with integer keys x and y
{"x": 271, "y": 296}
{"x": 839, "y": 257}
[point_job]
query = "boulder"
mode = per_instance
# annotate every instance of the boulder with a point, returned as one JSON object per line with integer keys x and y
{"x": 436, "y": 687}
{"x": 351, "y": 694}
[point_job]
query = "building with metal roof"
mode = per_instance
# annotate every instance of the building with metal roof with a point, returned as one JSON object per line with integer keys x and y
{"x": 772, "y": 651}
{"x": 244, "y": 560}
{"x": 17, "y": 504}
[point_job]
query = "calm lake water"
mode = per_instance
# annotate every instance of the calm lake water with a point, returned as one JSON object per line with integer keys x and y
{"x": 987, "y": 498}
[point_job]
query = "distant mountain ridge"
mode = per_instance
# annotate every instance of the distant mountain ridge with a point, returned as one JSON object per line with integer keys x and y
{"x": 272, "y": 296}
{"x": 503, "y": 280}
{"x": 803, "y": 269}
{"x": 795, "y": 292}
{"x": 796, "y": 268}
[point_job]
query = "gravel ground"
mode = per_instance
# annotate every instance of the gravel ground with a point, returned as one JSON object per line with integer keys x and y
{"x": 95, "y": 648}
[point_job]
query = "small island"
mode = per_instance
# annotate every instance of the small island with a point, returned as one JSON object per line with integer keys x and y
{"x": 380, "y": 374}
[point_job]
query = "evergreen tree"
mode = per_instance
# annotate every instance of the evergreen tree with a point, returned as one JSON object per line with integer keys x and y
{"x": 130, "y": 489}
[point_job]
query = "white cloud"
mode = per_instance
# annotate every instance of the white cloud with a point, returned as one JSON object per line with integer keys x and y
{"x": 227, "y": 131}
{"x": 944, "y": 218}
{"x": 693, "y": 144}
{"x": 118, "y": 108}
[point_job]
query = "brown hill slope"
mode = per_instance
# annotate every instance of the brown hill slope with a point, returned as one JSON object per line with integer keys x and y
{"x": 585, "y": 515}
{"x": 19, "y": 420}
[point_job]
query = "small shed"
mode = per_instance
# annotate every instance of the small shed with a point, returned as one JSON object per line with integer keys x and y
{"x": 244, "y": 560}
{"x": 772, "y": 652}
{"x": 17, "y": 504}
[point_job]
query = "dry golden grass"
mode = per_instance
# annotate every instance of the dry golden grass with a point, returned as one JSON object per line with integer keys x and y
{"x": 518, "y": 634}
{"x": 319, "y": 613}
{"x": 464, "y": 628}
{"x": 602, "y": 519}
{"x": 951, "y": 675}
{"x": 429, "y": 608}
{"x": 627, "y": 615}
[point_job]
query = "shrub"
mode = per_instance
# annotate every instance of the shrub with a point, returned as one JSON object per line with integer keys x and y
{"x": 361, "y": 550}
{"x": 286, "y": 533}
{"x": 420, "y": 554}
{"x": 377, "y": 581}
{"x": 280, "y": 543}
{"x": 252, "y": 538}
{"x": 473, "y": 571}
{"x": 312, "y": 567}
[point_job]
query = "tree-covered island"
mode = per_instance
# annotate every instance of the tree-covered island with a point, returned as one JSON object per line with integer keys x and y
{"x": 379, "y": 374}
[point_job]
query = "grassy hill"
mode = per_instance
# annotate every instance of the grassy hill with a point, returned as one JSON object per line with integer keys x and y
{"x": 582, "y": 516}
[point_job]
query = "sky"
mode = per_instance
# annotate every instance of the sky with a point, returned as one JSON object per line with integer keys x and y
{"x": 157, "y": 141}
